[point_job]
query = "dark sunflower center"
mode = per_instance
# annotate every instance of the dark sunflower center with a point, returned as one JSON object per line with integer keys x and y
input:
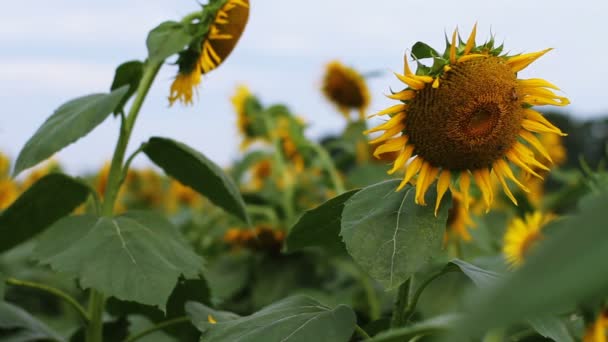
{"x": 344, "y": 90}
{"x": 470, "y": 120}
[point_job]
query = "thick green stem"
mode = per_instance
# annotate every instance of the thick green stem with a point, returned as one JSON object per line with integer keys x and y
{"x": 157, "y": 327}
{"x": 94, "y": 331}
{"x": 401, "y": 303}
{"x": 330, "y": 167}
{"x": 56, "y": 292}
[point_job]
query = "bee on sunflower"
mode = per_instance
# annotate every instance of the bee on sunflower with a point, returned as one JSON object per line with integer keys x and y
{"x": 221, "y": 25}
{"x": 346, "y": 88}
{"x": 467, "y": 116}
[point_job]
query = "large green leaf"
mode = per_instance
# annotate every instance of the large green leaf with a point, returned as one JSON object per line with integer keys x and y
{"x": 292, "y": 319}
{"x": 480, "y": 277}
{"x": 39, "y": 207}
{"x": 389, "y": 235}
{"x": 551, "y": 327}
{"x": 16, "y": 325}
{"x": 128, "y": 73}
{"x": 193, "y": 169}
{"x": 228, "y": 274}
{"x": 138, "y": 256}
{"x": 320, "y": 226}
{"x": 166, "y": 39}
{"x": 569, "y": 259}
{"x": 70, "y": 122}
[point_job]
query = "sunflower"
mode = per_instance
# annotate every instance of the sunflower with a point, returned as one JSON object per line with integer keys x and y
{"x": 346, "y": 88}
{"x": 9, "y": 191}
{"x": 227, "y": 23}
{"x": 522, "y": 235}
{"x": 245, "y": 106}
{"x": 180, "y": 195}
{"x": 5, "y": 166}
{"x": 260, "y": 172}
{"x": 459, "y": 220}
{"x": 598, "y": 331}
{"x": 467, "y": 116}
{"x": 557, "y": 154}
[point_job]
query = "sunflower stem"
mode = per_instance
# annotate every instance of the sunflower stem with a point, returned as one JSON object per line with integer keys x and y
{"x": 329, "y": 166}
{"x": 362, "y": 332}
{"x": 401, "y": 303}
{"x": 159, "y": 326}
{"x": 94, "y": 331}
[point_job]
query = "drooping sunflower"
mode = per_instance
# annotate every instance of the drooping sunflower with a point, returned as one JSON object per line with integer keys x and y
{"x": 522, "y": 235}
{"x": 346, "y": 88}
{"x": 247, "y": 107}
{"x": 598, "y": 331}
{"x": 467, "y": 116}
{"x": 224, "y": 22}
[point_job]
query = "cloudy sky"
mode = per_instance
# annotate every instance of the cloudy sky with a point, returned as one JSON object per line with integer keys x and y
{"x": 53, "y": 51}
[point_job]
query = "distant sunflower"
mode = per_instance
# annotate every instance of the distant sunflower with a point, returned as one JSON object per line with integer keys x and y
{"x": 9, "y": 191}
{"x": 522, "y": 235}
{"x": 260, "y": 172}
{"x": 467, "y": 115}
{"x": 244, "y": 119}
{"x": 598, "y": 331}
{"x": 557, "y": 155}
{"x": 229, "y": 18}
{"x": 345, "y": 88}
{"x": 459, "y": 220}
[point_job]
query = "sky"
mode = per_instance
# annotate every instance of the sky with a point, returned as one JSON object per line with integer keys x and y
{"x": 54, "y": 51}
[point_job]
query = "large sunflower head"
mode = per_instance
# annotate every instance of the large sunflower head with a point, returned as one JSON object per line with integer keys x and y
{"x": 345, "y": 88}
{"x": 467, "y": 116}
{"x": 223, "y": 23}
{"x": 522, "y": 235}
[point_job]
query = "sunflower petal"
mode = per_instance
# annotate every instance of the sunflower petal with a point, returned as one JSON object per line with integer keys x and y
{"x": 410, "y": 171}
{"x": 392, "y": 145}
{"x": 532, "y": 140}
{"x": 391, "y": 110}
{"x": 395, "y": 120}
{"x": 442, "y": 186}
{"x": 402, "y": 159}
{"x": 520, "y": 62}
{"x": 453, "y": 47}
{"x": 471, "y": 40}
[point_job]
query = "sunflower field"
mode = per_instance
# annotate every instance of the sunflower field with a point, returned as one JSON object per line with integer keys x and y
{"x": 476, "y": 210}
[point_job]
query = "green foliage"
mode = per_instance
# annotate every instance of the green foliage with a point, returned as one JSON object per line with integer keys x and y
{"x": 567, "y": 259}
{"x": 18, "y": 325}
{"x": 128, "y": 73}
{"x": 193, "y": 169}
{"x": 292, "y": 319}
{"x": 114, "y": 330}
{"x": 389, "y": 235}
{"x": 38, "y": 208}
{"x": 551, "y": 327}
{"x": 137, "y": 256}
{"x": 320, "y": 226}
{"x": 440, "y": 324}
{"x": 422, "y": 50}
{"x": 167, "y": 39}
{"x": 70, "y": 122}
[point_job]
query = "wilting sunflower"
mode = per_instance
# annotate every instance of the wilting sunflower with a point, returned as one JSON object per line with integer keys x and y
{"x": 225, "y": 20}
{"x": 345, "y": 88}
{"x": 467, "y": 116}
{"x": 598, "y": 331}
{"x": 522, "y": 235}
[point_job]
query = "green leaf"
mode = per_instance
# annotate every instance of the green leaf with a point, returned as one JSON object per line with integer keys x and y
{"x": 70, "y": 122}
{"x": 569, "y": 259}
{"x": 2, "y": 286}
{"x": 368, "y": 174}
{"x": 421, "y": 50}
{"x": 200, "y": 314}
{"x": 39, "y": 207}
{"x": 128, "y": 73}
{"x": 186, "y": 290}
{"x": 551, "y": 327}
{"x": 320, "y": 226}
{"x": 138, "y": 256}
{"x": 432, "y": 326}
{"x": 193, "y": 169}
{"x": 18, "y": 325}
{"x": 228, "y": 274}
{"x": 390, "y": 236}
{"x": 166, "y": 39}
{"x": 480, "y": 277}
{"x": 292, "y": 319}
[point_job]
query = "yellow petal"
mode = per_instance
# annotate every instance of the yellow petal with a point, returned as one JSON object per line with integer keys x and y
{"x": 543, "y": 101}
{"x": 503, "y": 168}
{"x": 514, "y": 157}
{"x": 527, "y": 156}
{"x": 403, "y": 95}
{"x": 505, "y": 187}
{"x": 469, "y": 57}
{"x": 395, "y": 120}
{"x": 402, "y": 159}
{"x": 518, "y": 63}
{"x": 436, "y": 83}
{"x": 389, "y": 133}
{"x": 391, "y": 110}
{"x": 453, "y": 47}
{"x": 537, "y": 127}
{"x": 406, "y": 66}
{"x": 428, "y": 180}
{"x": 482, "y": 178}
{"x": 410, "y": 171}
{"x": 536, "y": 116}
{"x": 532, "y": 140}
{"x": 411, "y": 81}
{"x": 442, "y": 186}
{"x": 537, "y": 82}
{"x": 465, "y": 183}
{"x": 392, "y": 145}
{"x": 471, "y": 40}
